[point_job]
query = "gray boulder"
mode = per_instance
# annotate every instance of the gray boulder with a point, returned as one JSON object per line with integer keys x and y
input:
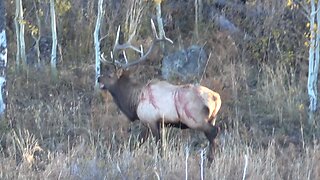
{"x": 186, "y": 65}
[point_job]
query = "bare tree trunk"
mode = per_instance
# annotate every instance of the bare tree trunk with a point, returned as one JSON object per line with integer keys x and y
{"x": 3, "y": 59}
{"x": 313, "y": 61}
{"x": 19, "y": 25}
{"x": 53, "y": 61}
{"x": 37, "y": 36}
{"x": 316, "y": 65}
{"x": 160, "y": 24}
{"x": 159, "y": 20}
{"x": 22, "y": 42}
{"x": 198, "y": 16}
{"x": 97, "y": 41}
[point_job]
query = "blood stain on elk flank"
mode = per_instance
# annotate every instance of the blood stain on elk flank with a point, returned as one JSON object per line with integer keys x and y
{"x": 148, "y": 96}
{"x": 188, "y": 112}
{"x": 180, "y": 100}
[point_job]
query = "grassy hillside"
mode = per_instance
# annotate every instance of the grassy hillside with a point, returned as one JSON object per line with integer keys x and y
{"x": 65, "y": 130}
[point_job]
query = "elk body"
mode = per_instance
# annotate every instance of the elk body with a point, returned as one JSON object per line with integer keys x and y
{"x": 186, "y": 106}
{"x": 156, "y": 102}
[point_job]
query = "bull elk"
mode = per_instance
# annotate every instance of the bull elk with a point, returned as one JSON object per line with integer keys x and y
{"x": 156, "y": 102}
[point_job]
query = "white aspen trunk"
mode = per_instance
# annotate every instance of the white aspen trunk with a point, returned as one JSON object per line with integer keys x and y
{"x": 3, "y": 59}
{"x": 22, "y": 42}
{"x": 2, "y": 96}
{"x": 312, "y": 63}
{"x": 17, "y": 27}
{"x": 196, "y": 16}
{"x": 53, "y": 61}
{"x": 317, "y": 53}
{"x": 97, "y": 41}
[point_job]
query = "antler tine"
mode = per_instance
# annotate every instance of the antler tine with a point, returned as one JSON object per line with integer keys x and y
{"x": 103, "y": 59}
{"x": 116, "y": 42}
{"x": 113, "y": 62}
{"x": 111, "y": 54}
{"x": 125, "y": 57}
{"x": 141, "y": 49}
{"x": 143, "y": 56}
{"x": 124, "y": 46}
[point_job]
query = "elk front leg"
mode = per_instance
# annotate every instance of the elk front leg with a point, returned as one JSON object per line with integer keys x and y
{"x": 211, "y": 133}
{"x": 144, "y": 133}
{"x": 155, "y": 130}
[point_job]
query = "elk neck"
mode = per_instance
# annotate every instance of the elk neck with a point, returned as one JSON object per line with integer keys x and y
{"x": 126, "y": 94}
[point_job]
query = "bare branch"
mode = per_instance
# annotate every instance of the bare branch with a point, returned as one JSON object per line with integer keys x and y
{"x": 133, "y": 17}
{"x": 103, "y": 37}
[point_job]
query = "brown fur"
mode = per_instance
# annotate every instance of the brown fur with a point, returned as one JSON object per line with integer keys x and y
{"x": 125, "y": 94}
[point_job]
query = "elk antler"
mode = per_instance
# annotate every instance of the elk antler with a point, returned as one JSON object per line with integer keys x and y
{"x": 143, "y": 57}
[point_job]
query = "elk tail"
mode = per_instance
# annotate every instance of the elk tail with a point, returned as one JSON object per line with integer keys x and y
{"x": 217, "y": 107}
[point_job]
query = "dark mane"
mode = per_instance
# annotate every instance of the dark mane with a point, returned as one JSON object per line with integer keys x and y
{"x": 125, "y": 94}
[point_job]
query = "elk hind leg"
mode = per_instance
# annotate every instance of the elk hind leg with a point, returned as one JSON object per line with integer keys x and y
{"x": 211, "y": 133}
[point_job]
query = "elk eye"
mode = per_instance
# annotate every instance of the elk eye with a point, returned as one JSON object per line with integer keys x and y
{"x": 110, "y": 75}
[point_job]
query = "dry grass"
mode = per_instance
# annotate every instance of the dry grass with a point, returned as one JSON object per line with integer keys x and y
{"x": 66, "y": 131}
{"x": 86, "y": 161}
